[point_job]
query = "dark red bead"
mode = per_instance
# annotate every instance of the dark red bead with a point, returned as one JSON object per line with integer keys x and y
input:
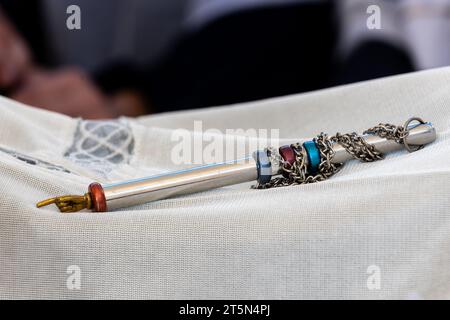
{"x": 288, "y": 155}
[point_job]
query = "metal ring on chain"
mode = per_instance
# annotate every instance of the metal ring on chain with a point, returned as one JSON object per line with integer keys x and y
{"x": 407, "y": 123}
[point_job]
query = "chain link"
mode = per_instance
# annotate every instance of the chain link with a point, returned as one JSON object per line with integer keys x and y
{"x": 354, "y": 144}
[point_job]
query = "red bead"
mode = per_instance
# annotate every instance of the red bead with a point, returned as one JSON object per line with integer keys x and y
{"x": 97, "y": 197}
{"x": 288, "y": 155}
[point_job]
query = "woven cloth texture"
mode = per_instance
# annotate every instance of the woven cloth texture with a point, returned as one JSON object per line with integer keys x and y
{"x": 321, "y": 240}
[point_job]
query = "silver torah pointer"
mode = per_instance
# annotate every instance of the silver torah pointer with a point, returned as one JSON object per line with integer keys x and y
{"x": 261, "y": 167}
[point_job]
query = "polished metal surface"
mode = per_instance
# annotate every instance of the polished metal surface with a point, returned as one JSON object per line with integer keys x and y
{"x": 198, "y": 179}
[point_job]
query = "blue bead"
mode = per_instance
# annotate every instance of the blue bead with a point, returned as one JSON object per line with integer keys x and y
{"x": 313, "y": 156}
{"x": 264, "y": 167}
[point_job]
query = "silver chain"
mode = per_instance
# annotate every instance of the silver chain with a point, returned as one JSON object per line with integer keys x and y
{"x": 354, "y": 144}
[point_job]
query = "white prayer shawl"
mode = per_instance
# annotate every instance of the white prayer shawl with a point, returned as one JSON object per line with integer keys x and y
{"x": 375, "y": 230}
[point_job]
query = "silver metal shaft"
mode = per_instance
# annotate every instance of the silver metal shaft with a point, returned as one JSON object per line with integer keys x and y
{"x": 208, "y": 177}
{"x": 180, "y": 182}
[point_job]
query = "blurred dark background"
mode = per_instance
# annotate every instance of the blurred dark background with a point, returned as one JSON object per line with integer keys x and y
{"x": 135, "y": 57}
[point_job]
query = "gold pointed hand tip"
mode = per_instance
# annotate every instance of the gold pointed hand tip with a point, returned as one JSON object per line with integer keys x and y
{"x": 69, "y": 203}
{"x": 45, "y": 202}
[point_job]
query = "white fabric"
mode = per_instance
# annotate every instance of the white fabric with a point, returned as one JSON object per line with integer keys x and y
{"x": 312, "y": 241}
